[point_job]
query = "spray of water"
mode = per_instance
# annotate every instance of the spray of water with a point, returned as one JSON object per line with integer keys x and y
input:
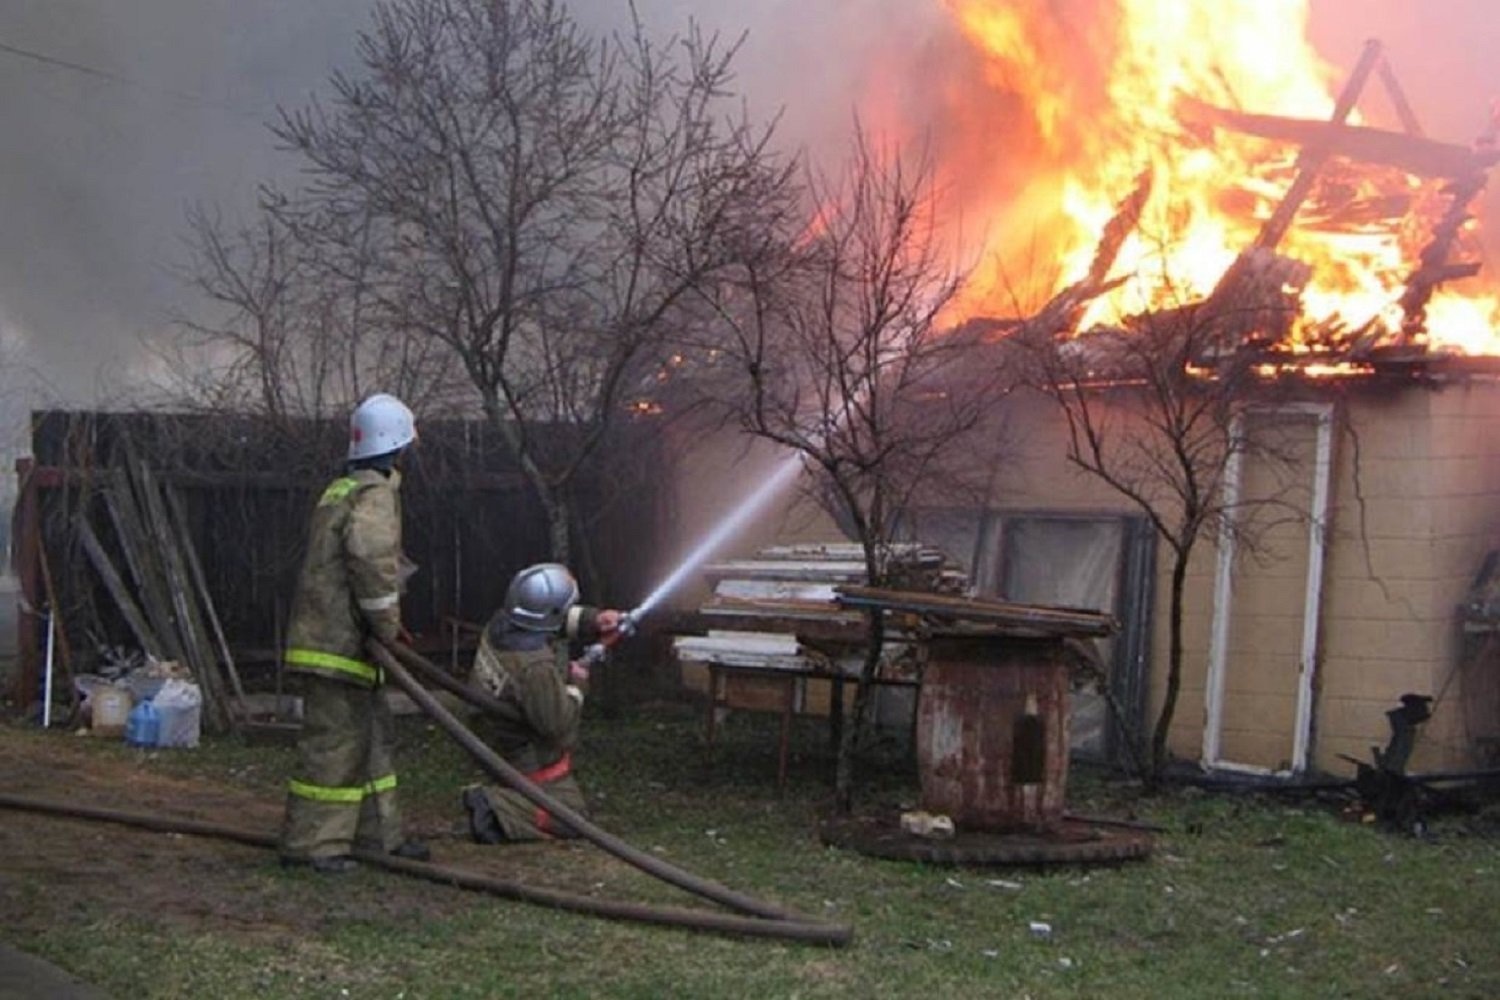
{"x": 726, "y": 529}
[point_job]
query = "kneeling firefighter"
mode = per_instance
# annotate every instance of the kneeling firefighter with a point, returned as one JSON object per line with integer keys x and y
{"x": 523, "y": 659}
{"x": 342, "y": 797}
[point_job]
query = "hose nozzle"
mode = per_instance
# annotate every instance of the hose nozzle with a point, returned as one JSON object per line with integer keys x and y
{"x": 598, "y": 651}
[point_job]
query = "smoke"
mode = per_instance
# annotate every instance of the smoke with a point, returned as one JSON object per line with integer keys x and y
{"x": 116, "y": 118}
{"x": 163, "y": 104}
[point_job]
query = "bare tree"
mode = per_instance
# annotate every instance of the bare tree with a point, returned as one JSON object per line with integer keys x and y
{"x": 837, "y": 346}
{"x": 536, "y": 201}
{"x": 1158, "y": 411}
{"x": 282, "y": 332}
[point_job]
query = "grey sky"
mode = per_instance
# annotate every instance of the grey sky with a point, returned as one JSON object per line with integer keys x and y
{"x": 95, "y": 173}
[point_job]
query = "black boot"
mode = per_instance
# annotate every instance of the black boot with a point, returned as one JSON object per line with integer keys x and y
{"x": 484, "y": 825}
{"x": 338, "y": 864}
{"x": 412, "y": 850}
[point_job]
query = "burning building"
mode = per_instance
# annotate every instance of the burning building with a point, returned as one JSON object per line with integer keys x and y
{"x": 1339, "y": 264}
{"x": 1198, "y": 174}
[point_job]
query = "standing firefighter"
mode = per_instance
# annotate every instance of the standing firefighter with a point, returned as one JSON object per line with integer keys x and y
{"x": 523, "y": 660}
{"x": 343, "y": 795}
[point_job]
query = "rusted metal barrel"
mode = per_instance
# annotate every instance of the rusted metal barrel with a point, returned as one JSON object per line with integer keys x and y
{"x": 992, "y": 732}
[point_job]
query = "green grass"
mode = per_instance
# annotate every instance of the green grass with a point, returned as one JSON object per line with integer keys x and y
{"x": 1242, "y": 897}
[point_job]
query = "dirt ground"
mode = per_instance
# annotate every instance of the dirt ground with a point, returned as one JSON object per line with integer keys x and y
{"x": 55, "y": 869}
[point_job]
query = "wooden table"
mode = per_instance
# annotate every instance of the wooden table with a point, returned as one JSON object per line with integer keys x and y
{"x": 718, "y": 672}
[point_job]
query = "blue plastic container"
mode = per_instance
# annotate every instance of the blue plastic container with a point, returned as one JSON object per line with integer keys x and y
{"x": 143, "y": 726}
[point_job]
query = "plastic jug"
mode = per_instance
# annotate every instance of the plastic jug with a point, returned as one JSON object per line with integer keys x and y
{"x": 143, "y": 728}
{"x": 109, "y": 707}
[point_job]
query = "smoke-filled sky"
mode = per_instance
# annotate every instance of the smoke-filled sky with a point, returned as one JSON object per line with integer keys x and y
{"x": 167, "y": 104}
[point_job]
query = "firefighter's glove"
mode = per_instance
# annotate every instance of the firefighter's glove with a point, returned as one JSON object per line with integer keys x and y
{"x": 607, "y": 621}
{"x": 388, "y": 629}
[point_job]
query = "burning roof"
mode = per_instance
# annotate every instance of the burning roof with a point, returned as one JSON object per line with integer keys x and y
{"x": 1210, "y": 160}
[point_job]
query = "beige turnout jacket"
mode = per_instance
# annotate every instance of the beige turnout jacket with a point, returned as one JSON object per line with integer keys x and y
{"x": 349, "y": 588}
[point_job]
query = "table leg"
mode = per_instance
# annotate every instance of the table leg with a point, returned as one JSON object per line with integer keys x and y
{"x": 835, "y": 712}
{"x": 787, "y": 703}
{"x": 713, "y": 702}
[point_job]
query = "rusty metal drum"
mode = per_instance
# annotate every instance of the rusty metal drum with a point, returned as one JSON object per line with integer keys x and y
{"x": 992, "y": 732}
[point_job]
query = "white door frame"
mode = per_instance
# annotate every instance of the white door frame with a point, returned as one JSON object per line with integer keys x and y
{"x": 1218, "y": 650}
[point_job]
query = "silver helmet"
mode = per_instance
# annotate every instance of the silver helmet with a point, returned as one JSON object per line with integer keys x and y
{"x": 540, "y": 596}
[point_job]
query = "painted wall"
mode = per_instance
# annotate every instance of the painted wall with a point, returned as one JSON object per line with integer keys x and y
{"x": 1415, "y": 505}
{"x": 1427, "y": 466}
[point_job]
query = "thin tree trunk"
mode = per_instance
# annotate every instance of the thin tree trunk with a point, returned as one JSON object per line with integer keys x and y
{"x": 853, "y": 727}
{"x": 558, "y": 535}
{"x": 1174, "y": 671}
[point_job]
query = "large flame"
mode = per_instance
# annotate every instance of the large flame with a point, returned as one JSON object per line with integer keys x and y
{"x": 1067, "y": 102}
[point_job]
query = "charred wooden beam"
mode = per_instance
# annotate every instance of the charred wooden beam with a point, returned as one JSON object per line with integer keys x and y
{"x": 1258, "y": 296}
{"x": 1062, "y": 314}
{"x": 1312, "y": 157}
{"x": 1435, "y": 268}
{"x": 1413, "y": 154}
{"x": 1397, "y": 95}
{"x": 1258, "y": 299}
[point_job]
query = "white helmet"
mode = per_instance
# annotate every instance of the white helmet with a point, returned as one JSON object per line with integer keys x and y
{"x": 540, "y": 596}
{"x": 379, "y": 425}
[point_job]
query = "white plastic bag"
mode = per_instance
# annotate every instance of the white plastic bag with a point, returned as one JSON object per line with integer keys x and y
{"x": 179, "y": 705}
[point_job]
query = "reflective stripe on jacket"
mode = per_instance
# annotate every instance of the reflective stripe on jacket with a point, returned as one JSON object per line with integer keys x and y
{"x": 349, "y": 587}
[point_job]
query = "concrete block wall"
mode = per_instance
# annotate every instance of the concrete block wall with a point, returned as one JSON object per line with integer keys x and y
{"x": 1416, "y": 506}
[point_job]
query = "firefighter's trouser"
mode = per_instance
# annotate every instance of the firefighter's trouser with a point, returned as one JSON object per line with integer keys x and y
{"x": 519, "y": 819}
{"x": 342, "y": 796}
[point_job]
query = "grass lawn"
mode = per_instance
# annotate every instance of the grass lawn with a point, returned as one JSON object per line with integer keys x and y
{"x": 1242, "y": 897}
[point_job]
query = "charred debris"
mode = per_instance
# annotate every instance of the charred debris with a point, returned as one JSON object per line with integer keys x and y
{"x": 1254, "y": 315}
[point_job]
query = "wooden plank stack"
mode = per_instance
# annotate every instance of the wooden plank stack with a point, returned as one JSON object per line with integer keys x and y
{"x": 161, "y": 592}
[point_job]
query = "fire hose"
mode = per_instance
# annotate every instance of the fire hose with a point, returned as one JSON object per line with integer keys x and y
{"x": 805, "y": 931}
{"x": 763, "y": 919}
{"x": 498, "y": 768}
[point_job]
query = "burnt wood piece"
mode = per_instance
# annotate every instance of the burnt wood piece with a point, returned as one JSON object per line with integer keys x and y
{"x": 1412, "y": 154}
{"x": 1384, "y": 213}
{"x": 1251, "y": 297}
{"x": 1048, "y": 620}
{"x": 1312, "y": 157}
{"x": 1062, "y": 314}
{"x": 1435, "y": 268}
{"x": 1258, "y": 299}
{"x": 1397, "y": 95}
